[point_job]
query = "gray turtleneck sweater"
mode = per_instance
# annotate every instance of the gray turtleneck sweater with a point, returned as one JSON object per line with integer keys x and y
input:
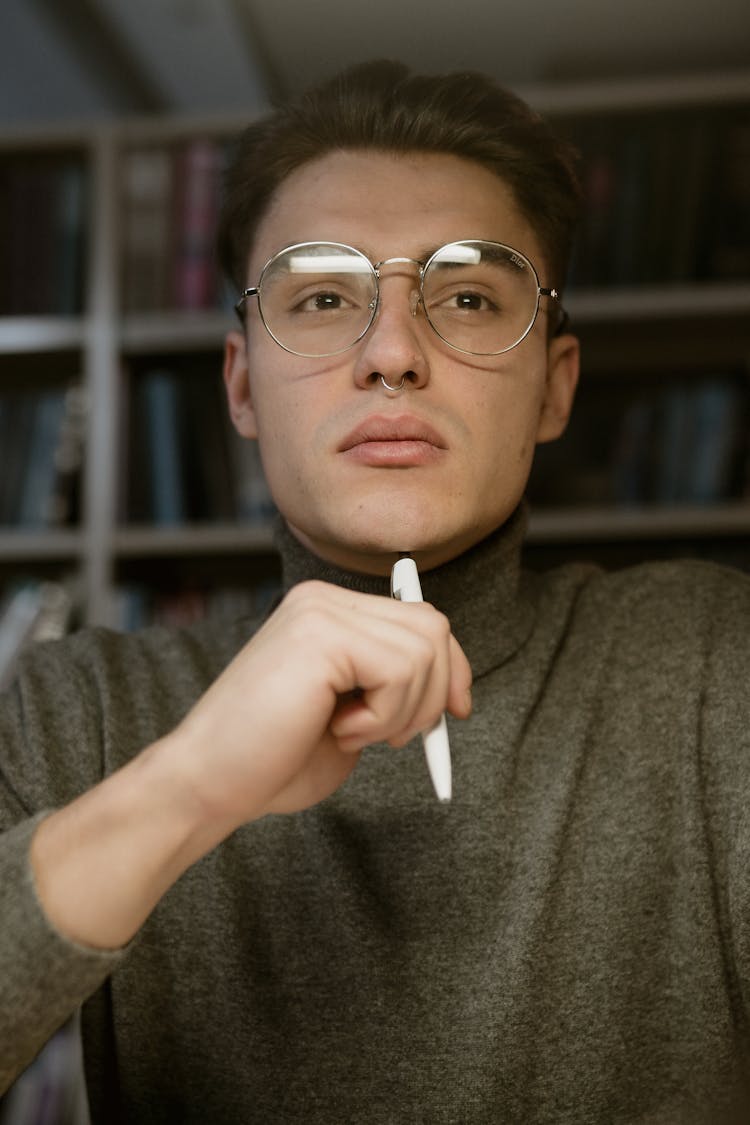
{"x": 567, "y": 941}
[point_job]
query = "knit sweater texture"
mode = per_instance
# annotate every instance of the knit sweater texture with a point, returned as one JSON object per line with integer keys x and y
{"x": 567, "y": 941}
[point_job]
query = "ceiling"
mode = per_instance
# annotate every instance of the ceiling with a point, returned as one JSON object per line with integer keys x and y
{"x": 91, "y": 59}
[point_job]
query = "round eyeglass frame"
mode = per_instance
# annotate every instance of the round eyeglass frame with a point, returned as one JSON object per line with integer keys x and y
{"x": 422, "y": 267}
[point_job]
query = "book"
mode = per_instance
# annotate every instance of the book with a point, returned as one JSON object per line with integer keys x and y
{"x": 198, "y": 177}
{"x": 18, "y": 419}
{"x": 181, "y": 467}
{"x": 729, "y": 250}
{"x": 666, "y": 198}
{"x": 70, "y": 238}
{"x": 64, "y": 502}
{"x": 37, "y": 483}
{"x": 630, "y": 207}
{"x": 674, "y": 442}
{"x": 717, "y": 418}
{"x": 147, "y": 205}
{"x": 591, "y": 258}
{"x": 138, "y": 605}
{"x": 687, "y": 210}
{"x": 42, "y": 437}
{"x": 42, "y": 234}
{"x": 161, "y": 395}
{"x": 631, "y": 467}
{"x": 208, "y": 471}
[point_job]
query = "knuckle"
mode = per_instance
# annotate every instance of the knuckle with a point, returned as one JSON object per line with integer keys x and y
{"x": 307, "y": 609}
{"x": 442, "y": 625}
{"x": 418, "y": 650}
{"x": 437, "y": 624}
{"x": 305, "y": 593}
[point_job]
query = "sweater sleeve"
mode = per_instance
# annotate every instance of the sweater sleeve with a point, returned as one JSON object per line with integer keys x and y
{"x": 79, "y": 709}
{"x": 50, "y": 750}
{"x": 44, "y": 977}
{"x": 725, "y": 744}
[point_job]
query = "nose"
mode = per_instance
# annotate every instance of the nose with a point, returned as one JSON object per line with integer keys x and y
{"x": 392, "y": 354}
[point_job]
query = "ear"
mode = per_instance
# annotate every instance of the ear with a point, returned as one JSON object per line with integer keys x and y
{"x": 563, "y": 368}
{"x": 237, "y": 385}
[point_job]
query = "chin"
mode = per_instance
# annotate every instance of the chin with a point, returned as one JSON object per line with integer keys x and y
{"x": 394, "y": 534}
{"x": 370, "y": 535}
{"x": 376, "y": 554}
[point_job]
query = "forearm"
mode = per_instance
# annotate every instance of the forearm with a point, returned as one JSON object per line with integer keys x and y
{"x": 77, "y": 884}
{"x": 102, "y": 863}
{"x": 249, "y": 746}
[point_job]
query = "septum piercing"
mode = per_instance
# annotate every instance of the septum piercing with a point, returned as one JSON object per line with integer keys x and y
{"x": 388, "y": 386}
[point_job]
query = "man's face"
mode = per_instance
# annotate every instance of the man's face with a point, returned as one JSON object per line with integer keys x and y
{"x": 362, "y": 473}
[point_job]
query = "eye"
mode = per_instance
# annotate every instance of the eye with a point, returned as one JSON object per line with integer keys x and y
{"x": 465, "y": 301}
{"x": 473, "y": 302}
{"x": 322, "y": 302}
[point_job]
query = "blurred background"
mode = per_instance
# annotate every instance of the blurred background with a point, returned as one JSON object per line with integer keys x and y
{"x": 125, "y": 498}
{"x": 83, "y": 59}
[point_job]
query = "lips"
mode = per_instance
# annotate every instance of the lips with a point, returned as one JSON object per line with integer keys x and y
{"x": 378, "y": 428}
{"x": 401, "y": 442}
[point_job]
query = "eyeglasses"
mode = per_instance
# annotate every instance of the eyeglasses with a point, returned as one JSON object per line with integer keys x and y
{"x": 320, "y": 298}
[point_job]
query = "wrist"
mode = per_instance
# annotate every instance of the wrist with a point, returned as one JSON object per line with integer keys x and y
{"x": 103, "y": 862}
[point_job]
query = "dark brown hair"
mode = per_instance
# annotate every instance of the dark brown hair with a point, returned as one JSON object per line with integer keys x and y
{"x": 383, "y": 106}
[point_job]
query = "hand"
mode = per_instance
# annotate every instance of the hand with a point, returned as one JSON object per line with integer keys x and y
{"x": 279, "y": 730}
{"x": 330, "y": 672}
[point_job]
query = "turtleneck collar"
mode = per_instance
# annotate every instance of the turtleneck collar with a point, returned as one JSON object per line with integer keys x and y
{"x": 480, "y": 592}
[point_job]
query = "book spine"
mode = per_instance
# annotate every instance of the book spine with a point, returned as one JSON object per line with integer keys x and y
{"x": 195, "y": 271}
{"x": 69, "y": 238}
{"x": 162, "y": 407}
{"x": 147, "y": 229}
{"x": 38, "y": 481}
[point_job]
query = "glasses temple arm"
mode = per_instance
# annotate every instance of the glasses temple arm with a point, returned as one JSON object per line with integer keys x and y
{"x": 563, "y": 319}
{"x": 239, "y": 306}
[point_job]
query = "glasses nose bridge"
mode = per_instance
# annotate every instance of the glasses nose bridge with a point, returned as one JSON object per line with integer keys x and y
{"x": 378, "y": 266}
{"x": 415, "y": 298}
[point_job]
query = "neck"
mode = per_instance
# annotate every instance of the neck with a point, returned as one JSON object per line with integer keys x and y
{"x": 482, "y": 585}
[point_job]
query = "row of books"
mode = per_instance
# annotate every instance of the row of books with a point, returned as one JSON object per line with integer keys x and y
{"x": 43, "y": 219}
{"x": 42, "y": 436}
{"x": 667, "y": 198}
{"x": 170, "y": 204}
{"x": 677, "y": 441}
{"x": 138, "y": 605}
{"x": 185, "y": 462}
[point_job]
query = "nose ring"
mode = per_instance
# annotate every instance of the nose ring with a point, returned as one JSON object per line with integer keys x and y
{"x": 388, "y": 386}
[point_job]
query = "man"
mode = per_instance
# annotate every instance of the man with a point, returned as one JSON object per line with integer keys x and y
{"x": 246, "y": 870}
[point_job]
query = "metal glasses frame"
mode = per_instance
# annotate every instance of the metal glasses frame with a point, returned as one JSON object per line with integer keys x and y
{"x": 422, "y": 267}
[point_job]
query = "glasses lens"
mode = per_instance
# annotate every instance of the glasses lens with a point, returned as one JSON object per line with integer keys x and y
{"x": 317, "y": 298}
{"x": 480, "y": 297}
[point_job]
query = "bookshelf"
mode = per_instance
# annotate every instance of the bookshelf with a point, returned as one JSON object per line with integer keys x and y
{"x": 656, "y": 462}
{"x": 143, "y": 317}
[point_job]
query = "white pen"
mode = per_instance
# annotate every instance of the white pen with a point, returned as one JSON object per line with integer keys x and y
{"x": 405, "y": 586}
